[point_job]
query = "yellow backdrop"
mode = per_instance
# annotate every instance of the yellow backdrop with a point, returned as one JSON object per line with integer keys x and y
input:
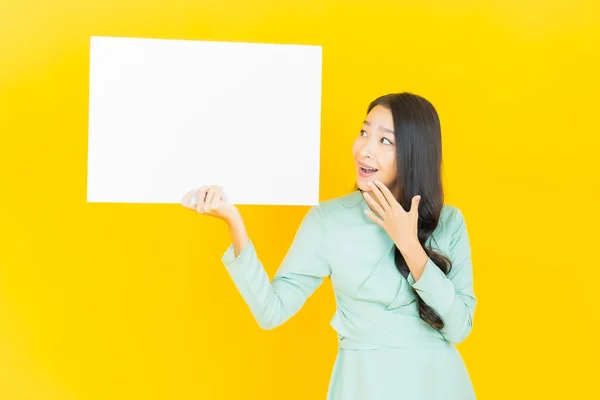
{"x": 129, "y": 301}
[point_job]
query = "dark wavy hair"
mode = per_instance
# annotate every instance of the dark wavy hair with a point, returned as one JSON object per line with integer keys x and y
{"x": 419, "y": 166}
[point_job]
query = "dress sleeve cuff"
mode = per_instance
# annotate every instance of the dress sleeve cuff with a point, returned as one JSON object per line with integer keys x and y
{"x": 429, "y": 279}
{"x": 240, "y": 263}
{"x": 434, "y": 287}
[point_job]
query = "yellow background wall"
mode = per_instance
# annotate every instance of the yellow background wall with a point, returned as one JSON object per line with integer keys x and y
{"x": 130, "y": 301}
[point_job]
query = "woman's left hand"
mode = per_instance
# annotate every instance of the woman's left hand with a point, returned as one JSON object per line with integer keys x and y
{"x": 400, "y": 225}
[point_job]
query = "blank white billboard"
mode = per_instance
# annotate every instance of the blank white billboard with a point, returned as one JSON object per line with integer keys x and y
{"x": 167, "y": 116}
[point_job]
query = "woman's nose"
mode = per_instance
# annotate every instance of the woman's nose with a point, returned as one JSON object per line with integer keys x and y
{"x": 366, "y": 150}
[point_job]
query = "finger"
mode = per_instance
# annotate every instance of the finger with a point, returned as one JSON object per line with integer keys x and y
{"x": 201, "y": 195}
{"x": 216, "y": 198}
{"x": 209, "y": 198}
{"x": 379, "y": 221}
{"x": 385, "y": 205}
{"x": 206, "y": 200}
{"x": 187, "y": 200}
{"x": 373, "y": 203}
{"x": 222, "y": 196}
{"x": 414, "y": 208}
{"x": 386, "y": 193}
{"x": 414, "y": 202}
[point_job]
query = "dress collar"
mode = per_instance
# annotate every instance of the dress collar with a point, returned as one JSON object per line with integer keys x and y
{"x": 353, "y": 200}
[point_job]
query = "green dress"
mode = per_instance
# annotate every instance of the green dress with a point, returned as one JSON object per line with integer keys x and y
{"x": 385, "y": 350}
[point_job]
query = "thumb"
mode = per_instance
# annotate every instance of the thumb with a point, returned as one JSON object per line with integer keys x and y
{"x": 415, "y": 211}
{"x": 415, "y": 204}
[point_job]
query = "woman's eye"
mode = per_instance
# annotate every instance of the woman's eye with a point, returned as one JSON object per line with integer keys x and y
{"x": 363, "y": 133}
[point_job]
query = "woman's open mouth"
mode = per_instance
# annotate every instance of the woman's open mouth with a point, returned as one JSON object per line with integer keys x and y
{"x": 366, "y": 171}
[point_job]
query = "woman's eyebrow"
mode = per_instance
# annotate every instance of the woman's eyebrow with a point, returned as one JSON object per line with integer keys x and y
{"x": 381, "y": 128}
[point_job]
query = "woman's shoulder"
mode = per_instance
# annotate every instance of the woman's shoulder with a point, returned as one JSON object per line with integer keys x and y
{"x": 347, "y": 200}
{"x": 451, "y": 226}
{"x": 450, "y": 217}
{"x": 340, "y": 205}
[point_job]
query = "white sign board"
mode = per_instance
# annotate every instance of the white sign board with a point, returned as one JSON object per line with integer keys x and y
{"x": 169, "y": 116}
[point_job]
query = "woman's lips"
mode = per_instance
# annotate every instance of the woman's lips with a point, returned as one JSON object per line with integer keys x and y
{"x": 364, "y": 173}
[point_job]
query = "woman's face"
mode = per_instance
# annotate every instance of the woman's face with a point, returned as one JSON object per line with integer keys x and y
{"x": 375, "y": 147}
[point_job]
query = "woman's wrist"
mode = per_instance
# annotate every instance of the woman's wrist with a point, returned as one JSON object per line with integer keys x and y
{"x": 239, "y": 236}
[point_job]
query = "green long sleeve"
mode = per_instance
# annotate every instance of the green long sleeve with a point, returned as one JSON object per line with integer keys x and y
{"x": 451, "y": 296}
{"x": 301, "y": 272}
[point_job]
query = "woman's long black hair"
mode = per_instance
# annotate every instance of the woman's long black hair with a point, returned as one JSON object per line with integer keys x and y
{"x": 419, "y": 166}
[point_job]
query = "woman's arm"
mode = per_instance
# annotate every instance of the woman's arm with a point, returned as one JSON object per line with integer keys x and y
{"x": 239, "y": 236}
{"x": 300, "y": 273}
{"x": 452, "y": 296}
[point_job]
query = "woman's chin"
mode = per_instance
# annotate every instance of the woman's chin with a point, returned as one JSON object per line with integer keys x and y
{"x": 363, "y": 182}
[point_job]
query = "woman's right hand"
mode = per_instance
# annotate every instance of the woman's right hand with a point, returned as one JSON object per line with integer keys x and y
{"x": 210, "y": 201}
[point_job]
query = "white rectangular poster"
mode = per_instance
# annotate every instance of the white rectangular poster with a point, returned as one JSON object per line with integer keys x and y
{"x": 167, "y": 116}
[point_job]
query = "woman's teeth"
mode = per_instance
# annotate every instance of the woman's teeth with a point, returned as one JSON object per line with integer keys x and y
{"x": 368, "y": 169}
